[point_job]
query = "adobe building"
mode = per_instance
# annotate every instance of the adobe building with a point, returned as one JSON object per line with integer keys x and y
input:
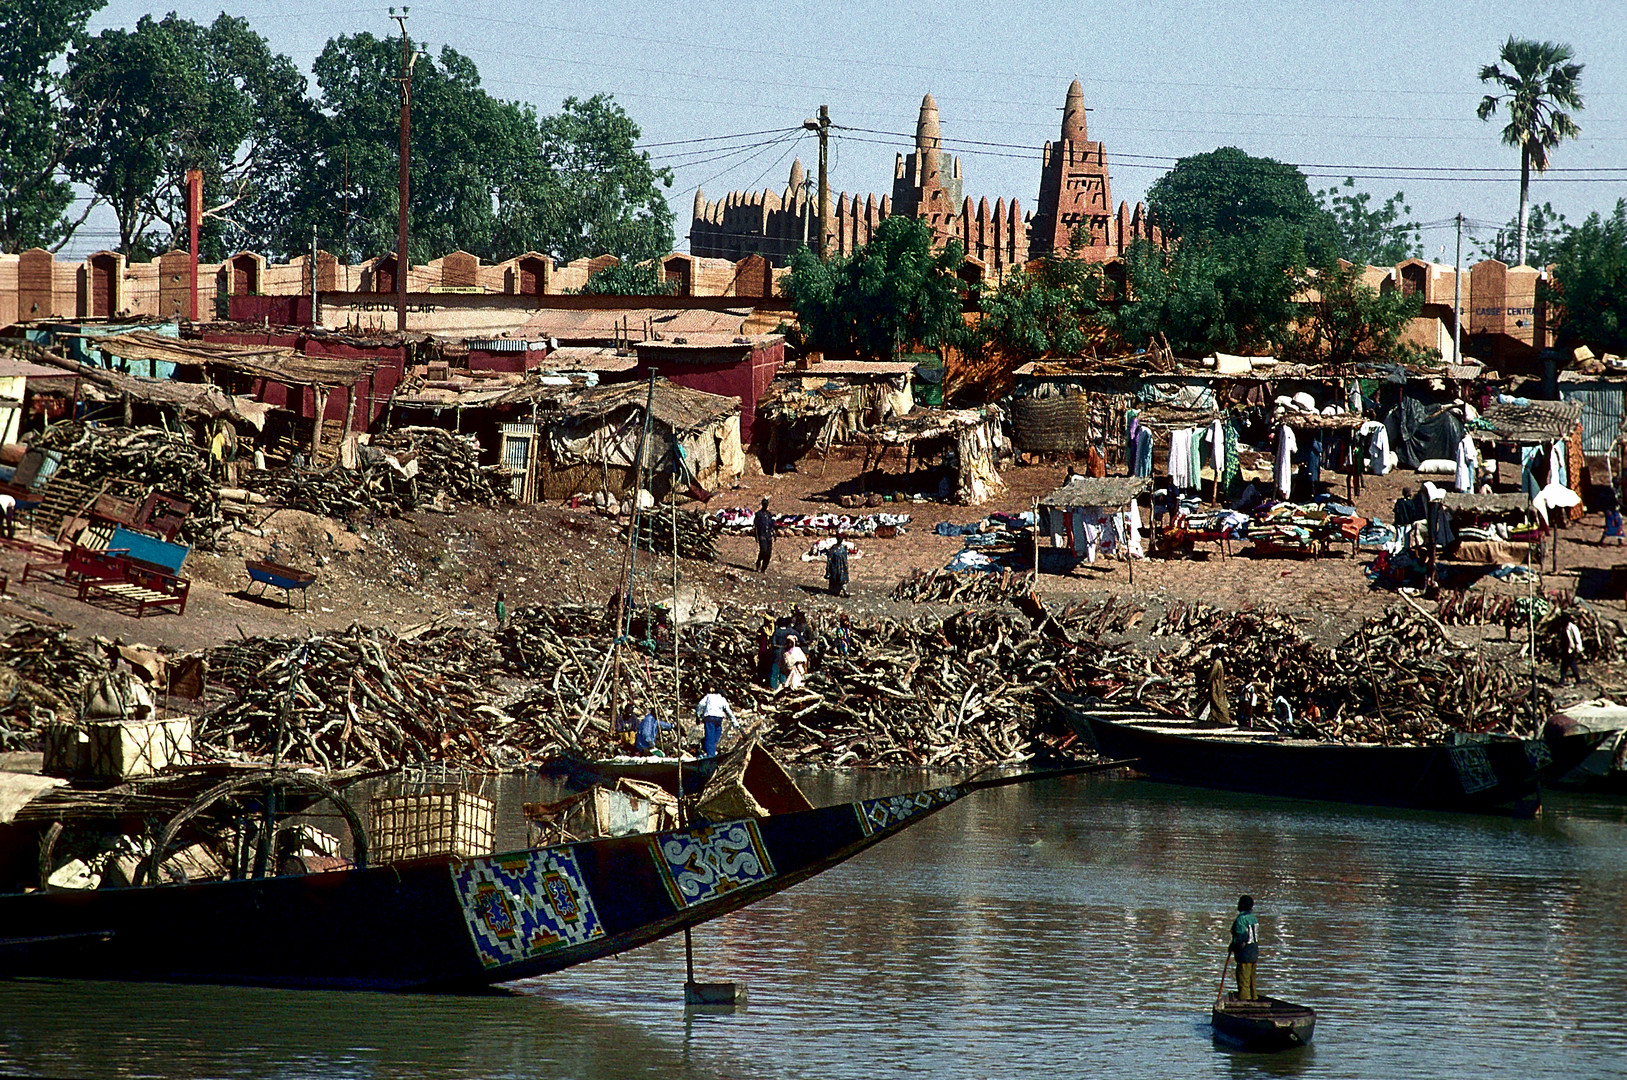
{"x": 929, "y": 185}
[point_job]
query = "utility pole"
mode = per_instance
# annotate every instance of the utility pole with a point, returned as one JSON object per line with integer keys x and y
{"x": 316, "y": 319}
{"x": 1457, "y": 299}
{"x": 402, "y": 262}
{"x": 821, "y": 126}
{"x": 194, "y": 216}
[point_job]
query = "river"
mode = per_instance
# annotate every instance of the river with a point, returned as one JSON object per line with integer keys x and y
{"x": 1067, "y": 928}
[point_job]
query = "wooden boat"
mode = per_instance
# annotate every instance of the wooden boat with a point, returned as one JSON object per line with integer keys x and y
{"x": 1264, "y": 1024}
{"x": 444, "y": 923}
{"x": 665, "y": 772}
{"x": 1497, "y": 776}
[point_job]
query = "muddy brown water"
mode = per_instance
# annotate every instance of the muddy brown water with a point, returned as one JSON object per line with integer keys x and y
{"x": 1069, "y": 928}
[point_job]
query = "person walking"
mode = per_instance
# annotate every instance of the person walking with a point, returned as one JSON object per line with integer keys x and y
{"x": 502, "y": 610}
{"x": 836, "y": 566}
{"x": 712, "y": 710}
{"x": 762, "y": 524}
{"x": 1246, "y": 947}
{"x": 1571, "y": 646}
{"x": 1612, "y": 517}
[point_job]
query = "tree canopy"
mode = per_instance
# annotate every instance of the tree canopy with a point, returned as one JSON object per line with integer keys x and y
{"x": 1343, "y": 320}
{"x": 1590, "y": 282}
{"x": 129, "y": 111}
{"x": 1057, "y": 306}
{"x": 1364, "y": 234}
{"x": 893, "y": 291}
{"x": 34, "y": 195}
{"x": 1227, "y": 192}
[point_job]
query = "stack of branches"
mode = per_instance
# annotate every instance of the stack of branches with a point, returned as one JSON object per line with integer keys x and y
{"x": 1467, "y": 608}
{"x": 697, "y": 532}
{"x": 43, "y": 674}
{"x": 364, "y": 697}
{"x": 951, "y": 587}
{"x": 949, "y": 693}
{"x": 448, "y": 465}
{"x": 1600, "y": 637}
{"x": 1399, "y": 678}
{"x": 401, "y": 470}
{"x": 953, "y": 693}
{"x": 150, "y": 458}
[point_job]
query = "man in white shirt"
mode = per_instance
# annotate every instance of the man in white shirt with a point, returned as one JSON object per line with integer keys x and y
{"x": 712, "y": 711}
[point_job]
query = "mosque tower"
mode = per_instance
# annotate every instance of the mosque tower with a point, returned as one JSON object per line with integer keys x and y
{"x": 927, "y": 183}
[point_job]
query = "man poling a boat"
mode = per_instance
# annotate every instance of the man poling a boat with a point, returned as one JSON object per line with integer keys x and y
{"x": 1245, "y": 946}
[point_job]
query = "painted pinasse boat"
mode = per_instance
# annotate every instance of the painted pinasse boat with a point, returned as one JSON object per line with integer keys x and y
{"x": 444, "y": 923}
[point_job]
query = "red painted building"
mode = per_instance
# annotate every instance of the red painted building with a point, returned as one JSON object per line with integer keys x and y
{"x": 385, "y": 365}
{"x": 737, "y": 367}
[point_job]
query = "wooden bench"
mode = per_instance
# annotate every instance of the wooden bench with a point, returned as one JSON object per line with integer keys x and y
{"x": 79, "y": 564}
{"x": 142, "y": 585}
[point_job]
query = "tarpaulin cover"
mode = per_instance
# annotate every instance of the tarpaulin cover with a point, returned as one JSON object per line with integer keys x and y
{"x": 1415, "y": 436}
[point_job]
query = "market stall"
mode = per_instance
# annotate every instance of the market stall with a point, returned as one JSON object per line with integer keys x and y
{"x": 1091, "y": 516}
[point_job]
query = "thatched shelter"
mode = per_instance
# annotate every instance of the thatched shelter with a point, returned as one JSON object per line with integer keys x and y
{"x": 592, "y": 442}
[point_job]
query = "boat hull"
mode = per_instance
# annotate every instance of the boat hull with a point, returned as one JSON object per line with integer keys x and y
{"x": 441, "y": 924}
{"x": 668, "y": 773}
{"x": 1267, "y": 1024}
{"x": 1495, "y": 777}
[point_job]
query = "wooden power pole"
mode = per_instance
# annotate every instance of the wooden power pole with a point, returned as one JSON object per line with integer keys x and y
{"x": 402, "y": 262}
{"x": 821, "y": 127}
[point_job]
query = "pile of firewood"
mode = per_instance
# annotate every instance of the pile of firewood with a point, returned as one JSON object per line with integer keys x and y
{"x": 696, "y": 532}
{"x": 42, "y": 678}
{"x": 401, "y": 470}
{"x": 357, "y": 697}
{"x": 968, "y": 587}
{"x": 151, "y": 459}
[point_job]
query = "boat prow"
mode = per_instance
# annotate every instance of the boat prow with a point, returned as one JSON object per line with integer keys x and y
{"x": 1263, "y": 1024}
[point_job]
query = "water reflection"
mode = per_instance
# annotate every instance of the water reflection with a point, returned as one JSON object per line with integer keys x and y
{"x": 1075, "y": 927}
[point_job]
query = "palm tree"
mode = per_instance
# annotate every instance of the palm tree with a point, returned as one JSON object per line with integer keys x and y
{"x": 1540, "y": 81}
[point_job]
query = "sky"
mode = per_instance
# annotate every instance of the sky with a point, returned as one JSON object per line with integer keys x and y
{"x": 1379, "y": 90}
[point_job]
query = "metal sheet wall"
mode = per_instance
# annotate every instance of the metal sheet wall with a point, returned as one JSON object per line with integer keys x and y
{"x": 1601, "y": 414}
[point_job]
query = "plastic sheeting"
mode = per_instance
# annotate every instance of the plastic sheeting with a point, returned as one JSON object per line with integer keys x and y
{"x": 1415, "y": 436}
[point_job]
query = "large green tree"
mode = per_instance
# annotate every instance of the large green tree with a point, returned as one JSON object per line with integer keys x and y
{"x": 169, "y": 96}
{"x": 473, "y": 157}
{"x": 1231, "y": 293}
{"x": 1365, "y": 234}
{"x": 487, "y": 176}
{"x": 894, "y": 291}
{"x": 1537, "y": 81}
{"x": 600, "y": 195}
{"x": 1227, "y": 192}
{"x": 1243, "y": 229}
{"x": 1590, "y": 282}
{"x": 34, "y": 143}
{"x": 1054, "y": 307}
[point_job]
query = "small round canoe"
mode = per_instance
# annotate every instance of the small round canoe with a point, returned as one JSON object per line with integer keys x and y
{"x": 1265, "y": 1024}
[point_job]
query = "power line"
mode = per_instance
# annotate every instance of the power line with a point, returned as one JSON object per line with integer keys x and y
{"x": 936, "y": 70}
{"x": 1307, "y": 165}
